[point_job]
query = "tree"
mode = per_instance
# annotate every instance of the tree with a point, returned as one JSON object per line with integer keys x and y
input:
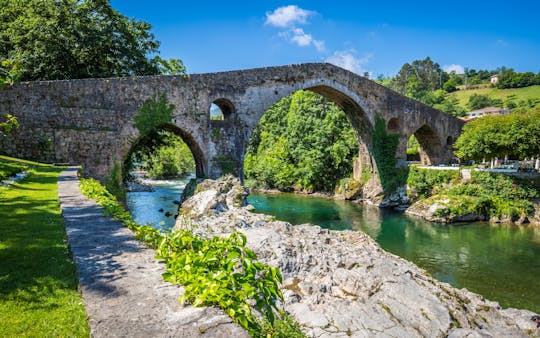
{"x": 418, "y": 78}
{"x": 51, "y": 39}
{"x": 478, "y": 101}
{"x": 516, "y": 134}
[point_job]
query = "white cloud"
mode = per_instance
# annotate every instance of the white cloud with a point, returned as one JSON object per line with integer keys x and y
{"x": 302, "y": 39}
{"x": 287, "y": 16}
{"x": 347, "y": 59}
{"x": 454, "y": 68}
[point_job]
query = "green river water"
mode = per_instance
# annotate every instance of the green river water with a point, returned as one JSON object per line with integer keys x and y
{"x": 500, "y": 262}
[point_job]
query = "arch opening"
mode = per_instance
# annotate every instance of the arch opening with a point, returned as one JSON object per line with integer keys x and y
{"x": 167, "y": 151}
{"x": 221, "y": 110}
{"x": 393, "y": 125}
{"x": 430, "y": 146}
{"x": 449, "y": 141}
{"x": 310, "y": 140}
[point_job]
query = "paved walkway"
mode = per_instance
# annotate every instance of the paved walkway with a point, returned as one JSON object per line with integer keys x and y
{"x": 121, "y": 281}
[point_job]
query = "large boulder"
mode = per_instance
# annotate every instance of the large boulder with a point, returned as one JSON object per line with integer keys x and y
{"x": 342, "y": 284}
{"x": 214, "y": 196}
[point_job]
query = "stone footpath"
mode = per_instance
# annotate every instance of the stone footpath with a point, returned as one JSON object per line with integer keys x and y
{"x": 120, "y": 279}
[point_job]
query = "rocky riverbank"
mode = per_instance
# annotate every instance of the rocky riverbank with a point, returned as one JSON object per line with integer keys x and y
{"x": 434, "y": 209}
{"x": 342, "y": 284}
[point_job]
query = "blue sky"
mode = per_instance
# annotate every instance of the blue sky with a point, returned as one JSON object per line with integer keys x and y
{"x": 363, "y": 36}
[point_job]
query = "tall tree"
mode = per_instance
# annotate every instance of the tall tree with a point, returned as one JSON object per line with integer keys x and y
{"x": 419, "y": 78}
{"x": 62, "y": 39}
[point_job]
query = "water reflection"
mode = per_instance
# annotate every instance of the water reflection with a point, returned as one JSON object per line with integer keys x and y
{"x": 501, "y": 262}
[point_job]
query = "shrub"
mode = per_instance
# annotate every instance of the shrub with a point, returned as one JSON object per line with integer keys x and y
{"x": 423, "y": 182}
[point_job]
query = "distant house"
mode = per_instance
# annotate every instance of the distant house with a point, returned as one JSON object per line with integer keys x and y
{"x": 485, "y": 112}
{"x": 494, "y": 79}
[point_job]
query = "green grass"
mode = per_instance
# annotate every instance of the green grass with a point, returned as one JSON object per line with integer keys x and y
{"x": 8, "y": 169}
{"x": 514, "y": 94}
{"x": 38, "y": 284}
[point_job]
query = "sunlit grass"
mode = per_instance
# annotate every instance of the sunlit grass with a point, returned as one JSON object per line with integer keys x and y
{"x": 38, "y": 284}
{"x": 514, "y": 94}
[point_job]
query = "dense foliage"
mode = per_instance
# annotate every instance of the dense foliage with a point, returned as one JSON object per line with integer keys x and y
{"x": 160, "y": 152}
{"x": 384, "y": 151}
{"x": 421, "y": 182}
{"x": 516, "y": 135}
{"x": 8, "y": 123}
{"x": 302, "y": 142}
{"x": 511, "y": 79}
{"x": 50, "y": 39}
{"x": 478, "y": 101}
{"x": 492, "y": 195}
{"x": 164, "y": 155}
{"x": 219, "y": 271}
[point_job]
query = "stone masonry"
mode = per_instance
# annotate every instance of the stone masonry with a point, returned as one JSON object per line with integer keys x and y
{"x": 89, "y": 122}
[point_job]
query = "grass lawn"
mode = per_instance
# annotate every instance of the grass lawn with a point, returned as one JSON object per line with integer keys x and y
{"x": 38, "y": 283}
{"x": 514, "y": 94}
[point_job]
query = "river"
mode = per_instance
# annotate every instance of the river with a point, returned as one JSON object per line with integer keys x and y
{"x": 500, "y": 262}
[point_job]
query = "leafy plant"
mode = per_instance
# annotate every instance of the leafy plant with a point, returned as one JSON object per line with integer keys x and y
{"x": 8, "y": 169}
{"x": 8, "y": 124}
{"x": 384, "y": 151}
{"x": 222, "y": 271}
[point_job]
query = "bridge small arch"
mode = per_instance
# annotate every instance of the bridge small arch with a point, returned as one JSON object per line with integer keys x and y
{"x": 430, "y": 145}
{"x": 393, "y": 125}
{"x": 221, "y": 109}
{"x": 196, "y": 151}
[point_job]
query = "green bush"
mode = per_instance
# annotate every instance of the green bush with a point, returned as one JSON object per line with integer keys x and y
{"x": 224, "y": 272}
{"x": 423, "y": 182}
{"x": 492, "y": 195}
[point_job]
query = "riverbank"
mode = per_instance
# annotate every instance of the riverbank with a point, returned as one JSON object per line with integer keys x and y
{"x": 444, "y": 196}
{"x": 342, "y": 283}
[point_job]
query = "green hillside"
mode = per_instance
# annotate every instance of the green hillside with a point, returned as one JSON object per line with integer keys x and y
{"x": 516, "y": 95}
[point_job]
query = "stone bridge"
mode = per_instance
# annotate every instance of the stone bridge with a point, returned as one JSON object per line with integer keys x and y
{"x": 90, "y": 121}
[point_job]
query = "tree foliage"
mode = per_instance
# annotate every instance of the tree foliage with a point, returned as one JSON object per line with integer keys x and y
{"x": 478, "y": 101}
{"x": 516, "y": 135}
{"x": 303, "y": 142}
{"x": 511, "y": 79}
{"x": 51, "y": 39}
{"x": 166, "y": 155}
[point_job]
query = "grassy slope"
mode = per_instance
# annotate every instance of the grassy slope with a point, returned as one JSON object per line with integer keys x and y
{"x": 532, "y": 92}
{"x": 38, "y": 284}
